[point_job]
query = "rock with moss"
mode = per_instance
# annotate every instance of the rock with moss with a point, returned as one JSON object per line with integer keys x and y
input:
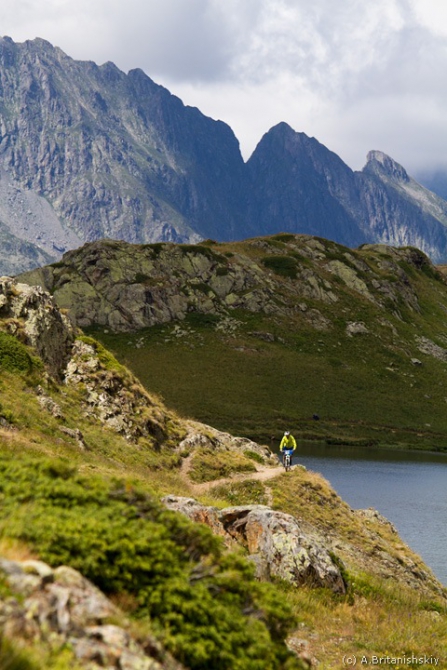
{"x": 124, "y": 287}
{"x": 114, "y": 396}
{"x": 274, "y": 541}
{"x": 31, "y": 314}
{"x": 60, "y": 607}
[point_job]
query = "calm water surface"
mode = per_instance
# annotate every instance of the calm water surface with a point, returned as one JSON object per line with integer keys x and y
{"x": 409, "y": 488}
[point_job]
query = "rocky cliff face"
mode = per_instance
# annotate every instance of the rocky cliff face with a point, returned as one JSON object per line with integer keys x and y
{"x": 399, "y": 211}
{"x": 118, "y": 156}
{"x": 300, "y": 186}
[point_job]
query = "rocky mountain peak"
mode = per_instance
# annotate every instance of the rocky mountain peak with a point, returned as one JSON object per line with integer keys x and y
{"x": 118, "y": 156}
{"x": 379, "y": 163}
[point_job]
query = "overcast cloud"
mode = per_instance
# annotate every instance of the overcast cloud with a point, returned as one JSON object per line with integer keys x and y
{"x": 356, "y": 74}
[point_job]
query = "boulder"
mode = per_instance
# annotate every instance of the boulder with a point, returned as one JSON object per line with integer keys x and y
{"x": 274, "y": 541}
{"x": 60, "y": 606}
{"x": 281, "y": 548}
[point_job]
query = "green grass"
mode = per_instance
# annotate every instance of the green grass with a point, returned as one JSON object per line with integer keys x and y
{"x": 363, "y": 388}
{"x": 209, "y": 464}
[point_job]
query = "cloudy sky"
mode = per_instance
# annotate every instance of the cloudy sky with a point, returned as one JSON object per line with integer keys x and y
{"x": 355, "y": 74}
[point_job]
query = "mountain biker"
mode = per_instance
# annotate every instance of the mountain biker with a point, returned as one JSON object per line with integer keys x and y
{"x": 288, "y": 443}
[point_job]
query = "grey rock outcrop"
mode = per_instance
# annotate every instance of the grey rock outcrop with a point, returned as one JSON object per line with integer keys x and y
{"x": 60, "y": 607}
{"x": 274, "y": 541}
{"x": 126, "y": 287}
{"x": 116, "y": 399}
{"x": 31, "y": 311}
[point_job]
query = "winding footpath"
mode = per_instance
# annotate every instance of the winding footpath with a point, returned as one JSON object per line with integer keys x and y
{"x": 263, "y": 473}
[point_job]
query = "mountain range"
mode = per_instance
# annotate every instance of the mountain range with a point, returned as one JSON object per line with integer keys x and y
{"x": 115, "y": 155}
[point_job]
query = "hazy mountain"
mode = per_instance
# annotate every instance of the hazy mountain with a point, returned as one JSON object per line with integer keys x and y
{"x": 116, "y": 155}
{"x": 298, "y": 185}
{"x": 435, "y": 180}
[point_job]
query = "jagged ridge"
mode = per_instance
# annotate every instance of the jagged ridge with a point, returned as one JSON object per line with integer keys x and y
{"x": 118, "y": 156}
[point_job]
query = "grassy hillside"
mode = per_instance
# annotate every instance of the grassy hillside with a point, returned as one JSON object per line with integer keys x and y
{"x": 98, "y": 510}
{"x": 355, "y": 337}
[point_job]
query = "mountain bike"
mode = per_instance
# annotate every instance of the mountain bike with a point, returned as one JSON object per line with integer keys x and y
{"x": 287, "y": 459}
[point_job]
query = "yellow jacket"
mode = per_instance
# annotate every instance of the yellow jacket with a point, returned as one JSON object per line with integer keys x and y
{"x": 287, "y": 442}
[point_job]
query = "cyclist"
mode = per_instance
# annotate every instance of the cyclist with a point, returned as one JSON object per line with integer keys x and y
{"x": 288, "y": 444}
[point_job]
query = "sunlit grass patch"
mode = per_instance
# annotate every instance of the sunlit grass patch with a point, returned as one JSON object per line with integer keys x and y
{"x": 209, "y": 464}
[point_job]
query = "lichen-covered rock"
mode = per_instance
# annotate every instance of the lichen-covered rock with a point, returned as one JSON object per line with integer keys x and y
{"x": 116, "y": 399}
{"x": 350, "y": 277}
{"x": 281, "y": 548}
{"x": 59, "y": 606}
{"x": 199, "y": 513}
{"x": 31, "y": 311}
{"x": 274, "y": 541}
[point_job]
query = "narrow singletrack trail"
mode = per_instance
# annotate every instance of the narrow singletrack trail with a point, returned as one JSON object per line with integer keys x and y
{"x": 263, "y": 473}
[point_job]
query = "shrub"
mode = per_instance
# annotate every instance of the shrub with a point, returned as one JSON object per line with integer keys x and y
{"x": 12, "y": 658}
{"x": 14, "y": 356}
{"x": 205, "y": 603}
{"x": 286, "y": 266}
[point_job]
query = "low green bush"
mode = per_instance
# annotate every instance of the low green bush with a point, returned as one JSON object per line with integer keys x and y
{"x": 203, "y": 602}
{"x": 286, "y": 266}
{"x": 14, "y": 356}
{"x": 12, "y": 658}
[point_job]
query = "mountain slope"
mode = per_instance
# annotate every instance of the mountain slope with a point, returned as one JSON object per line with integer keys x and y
{"x": 117, "y": 155}
{"x": 435, "y": 180}
{"x": 299, "y": 186}
{"x": 271, "y": 331}
{"x": 421, "y": 219}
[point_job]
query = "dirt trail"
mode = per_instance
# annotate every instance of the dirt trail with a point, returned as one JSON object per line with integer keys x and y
{"x": 263, "y": 473}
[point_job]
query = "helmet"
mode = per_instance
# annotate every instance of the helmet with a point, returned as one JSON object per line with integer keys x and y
{"x": 287, "y": 432}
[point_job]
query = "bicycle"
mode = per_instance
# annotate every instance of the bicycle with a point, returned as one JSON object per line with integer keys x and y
{"x": 287, "y": 459}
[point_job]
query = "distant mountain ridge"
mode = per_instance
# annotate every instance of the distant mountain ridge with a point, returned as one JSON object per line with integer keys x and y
{"x": 118, "y": 156}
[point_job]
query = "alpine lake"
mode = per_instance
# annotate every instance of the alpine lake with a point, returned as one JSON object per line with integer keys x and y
{"x": 409, "y": 488}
